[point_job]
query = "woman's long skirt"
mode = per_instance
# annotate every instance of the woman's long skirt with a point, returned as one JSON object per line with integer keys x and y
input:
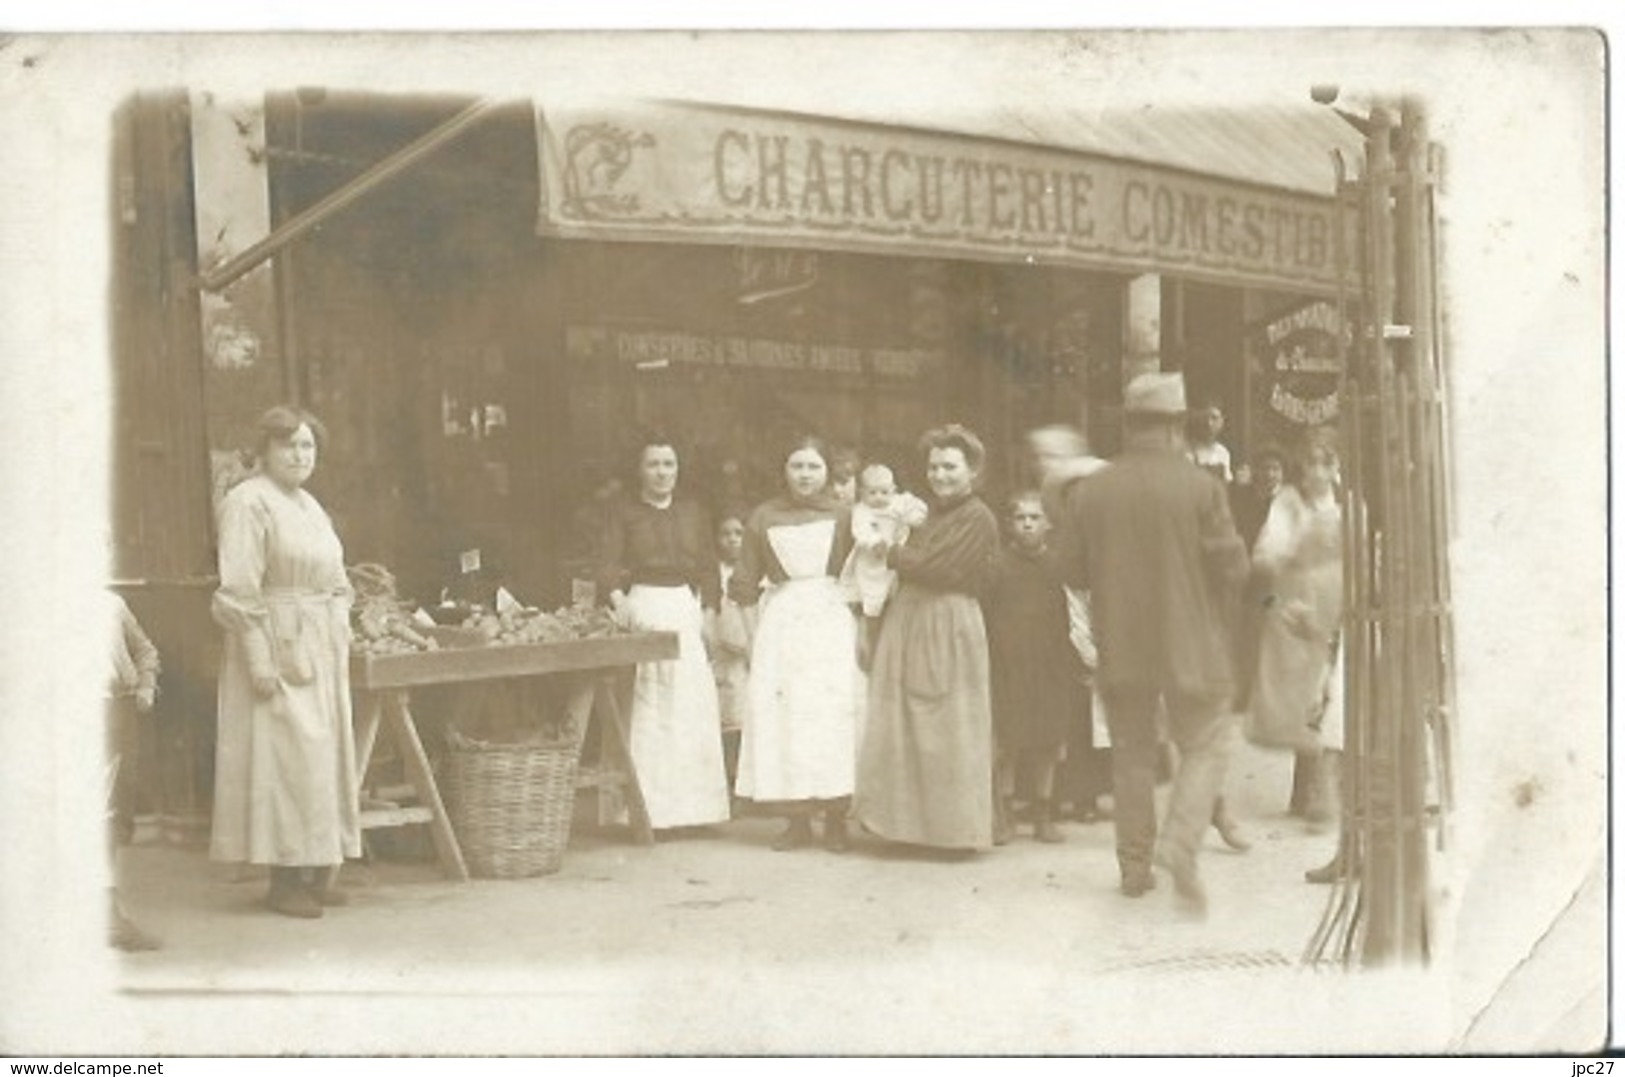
{"x": 286, "y": 788}
{"x": 926, "y": 766}
{"x": 806, "y": 696}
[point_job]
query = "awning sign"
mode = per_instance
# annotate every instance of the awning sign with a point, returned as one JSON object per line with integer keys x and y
{"x": 707, "y": 174}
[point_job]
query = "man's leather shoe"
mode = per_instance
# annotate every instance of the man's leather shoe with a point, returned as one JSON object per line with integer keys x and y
{"x": 1231, "y": 834}
{"x": 1188, "y": 885}
{"x": 1138, "y": 883}
{"x": 127, "y": 936}
{"x": 1327, "y": 873}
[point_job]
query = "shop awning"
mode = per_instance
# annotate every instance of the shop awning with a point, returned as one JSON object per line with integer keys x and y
{"x": 1243, "y": 197}
{"x": 1286, "y": 148}
{"x": 1240, "y": 196}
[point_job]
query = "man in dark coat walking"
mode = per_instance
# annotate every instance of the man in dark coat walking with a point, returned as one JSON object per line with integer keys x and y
{"x": 1152, "y": 541}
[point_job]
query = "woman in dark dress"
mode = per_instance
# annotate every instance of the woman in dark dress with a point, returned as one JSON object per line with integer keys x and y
{"x": 659, "y": 574}
{"x": 925, "y": 773}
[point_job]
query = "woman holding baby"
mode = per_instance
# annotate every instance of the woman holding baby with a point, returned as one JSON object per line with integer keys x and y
{"x": 925, "y": 772}
{"x": 799, "y": 747}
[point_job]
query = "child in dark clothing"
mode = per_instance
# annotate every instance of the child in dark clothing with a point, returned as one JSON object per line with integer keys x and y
{"x": 728, "y": 641}
{"x": 1037, "y": 677}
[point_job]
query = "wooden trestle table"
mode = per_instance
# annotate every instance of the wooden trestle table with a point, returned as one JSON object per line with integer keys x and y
{"x": 592, "y": 674}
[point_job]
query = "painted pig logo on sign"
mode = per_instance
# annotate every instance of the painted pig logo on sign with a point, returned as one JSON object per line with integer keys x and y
{"x": 596, "y": 156}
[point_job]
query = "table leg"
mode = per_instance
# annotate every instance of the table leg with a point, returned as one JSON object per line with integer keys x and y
{"x": 616, "y": 745}
{"x": 578, "y": 706}
{"x": 421, "y": 776}
{"x": 605, "y": 779}
{"x": 371, "y": 708}
{"x": 366, "y": 736}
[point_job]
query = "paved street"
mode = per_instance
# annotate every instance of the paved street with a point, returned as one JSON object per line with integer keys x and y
{"x": 720, "y": 945}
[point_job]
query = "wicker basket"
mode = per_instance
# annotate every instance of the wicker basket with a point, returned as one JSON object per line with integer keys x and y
{"x": 510, "y": 804}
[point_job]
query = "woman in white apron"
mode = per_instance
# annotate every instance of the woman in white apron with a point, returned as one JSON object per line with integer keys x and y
{"x": 1299, "y": 555}
{"x": 658, "y": 572}
{"x": 799, "y": 751}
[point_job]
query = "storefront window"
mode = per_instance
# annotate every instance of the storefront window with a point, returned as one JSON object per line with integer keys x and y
{"x": 734, "y": 351}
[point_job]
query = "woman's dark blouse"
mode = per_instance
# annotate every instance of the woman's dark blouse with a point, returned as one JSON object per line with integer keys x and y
{"x": 758, "y": 562}
{"x": 956, "y": 549}
{"x": 669, "y": 547}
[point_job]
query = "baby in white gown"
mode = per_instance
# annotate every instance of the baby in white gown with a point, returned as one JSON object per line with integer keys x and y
{"x": 881, "y": 520}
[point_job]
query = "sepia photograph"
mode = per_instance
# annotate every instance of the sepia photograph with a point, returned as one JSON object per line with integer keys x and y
{"x": 941, "y": 542}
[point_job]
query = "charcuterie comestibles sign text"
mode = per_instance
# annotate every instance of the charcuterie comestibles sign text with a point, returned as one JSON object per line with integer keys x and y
{"x": 700, "y": 173}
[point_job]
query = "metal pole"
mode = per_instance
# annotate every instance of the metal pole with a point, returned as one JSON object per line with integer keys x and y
{"x": 1399, "y": 694}
{"x": 1337, "y": 922}
{"x": 1430, "y": 540}
{"x": 1377, "y": 874}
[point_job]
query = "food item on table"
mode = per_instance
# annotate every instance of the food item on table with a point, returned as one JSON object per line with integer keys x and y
{"x": 383, "y": 623}
{"x": 588, "y": 623}
{"x": 380, "y": 619}
{"x": 537, "y": 626}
